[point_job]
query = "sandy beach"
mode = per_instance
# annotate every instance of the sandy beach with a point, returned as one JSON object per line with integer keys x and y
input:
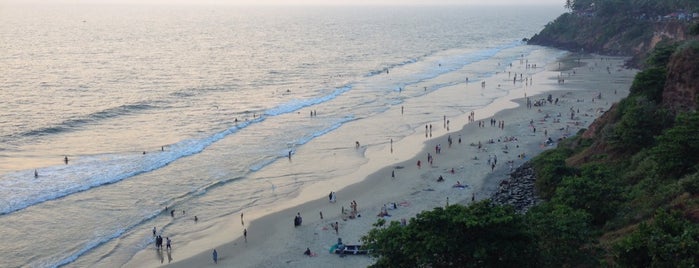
{"x": 482, "y": 152}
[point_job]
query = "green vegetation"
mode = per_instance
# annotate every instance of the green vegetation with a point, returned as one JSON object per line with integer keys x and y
{"x": 475, "y": 236}
{"x": 630, "y": 200}
{"x": 668, "y": 241}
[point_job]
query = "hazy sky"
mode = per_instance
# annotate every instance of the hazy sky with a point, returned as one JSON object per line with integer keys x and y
{"x": 302, "y": 2}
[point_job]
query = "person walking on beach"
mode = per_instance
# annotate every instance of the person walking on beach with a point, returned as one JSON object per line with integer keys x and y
{"x": 167, "y": 243}
{"x": 245, "y": 234}
{"x": 215, "y": 255}
{"x": 153, "y": 231}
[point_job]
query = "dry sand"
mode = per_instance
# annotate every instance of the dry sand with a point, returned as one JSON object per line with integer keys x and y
{"x": 273, "y": 241}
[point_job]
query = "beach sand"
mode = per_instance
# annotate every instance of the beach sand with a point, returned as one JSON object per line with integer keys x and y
{"x": 273, "y": 241}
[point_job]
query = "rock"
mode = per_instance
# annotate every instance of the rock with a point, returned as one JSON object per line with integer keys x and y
{"x": 518, "y": 190}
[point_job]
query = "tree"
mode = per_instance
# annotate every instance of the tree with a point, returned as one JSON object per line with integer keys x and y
{"x": 482, "y": 234}
{"x": 569, "y": 5}
{"x": 594, "y": 191}
{"x": 669, "y": 240}
{"x": 677, "y": 147}
{"x": 563, "y": 235}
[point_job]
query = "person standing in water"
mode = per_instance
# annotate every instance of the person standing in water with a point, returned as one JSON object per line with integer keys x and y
{"x": 65, "y": 159}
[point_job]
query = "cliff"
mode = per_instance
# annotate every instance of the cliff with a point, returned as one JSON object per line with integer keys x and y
{"x": 682, "y": 83}
{"x": 620, "y": 34}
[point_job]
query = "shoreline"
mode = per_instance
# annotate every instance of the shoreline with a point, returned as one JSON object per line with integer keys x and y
{"x": 273, "y": 240}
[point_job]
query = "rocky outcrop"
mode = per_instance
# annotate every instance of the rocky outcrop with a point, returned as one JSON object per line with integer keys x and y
{"x": 681, "y": 90}
{"x": 617, "y": 35}
{"x": 518, "y": 190}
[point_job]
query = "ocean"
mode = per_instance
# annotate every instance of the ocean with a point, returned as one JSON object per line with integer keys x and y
{"x": 198, "y": 108}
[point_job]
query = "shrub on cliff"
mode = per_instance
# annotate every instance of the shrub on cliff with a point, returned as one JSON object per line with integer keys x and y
{"x": 563, "y": 235}
{"x": 550, "y": 169}
{"x": 669, "y": 240}
{"x": 480, "y": 235}
{"x": 678, "y": 146}
{"x": 597, "y": 191}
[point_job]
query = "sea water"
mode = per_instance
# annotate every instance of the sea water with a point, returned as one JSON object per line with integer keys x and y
{"x": 197, "y": 108}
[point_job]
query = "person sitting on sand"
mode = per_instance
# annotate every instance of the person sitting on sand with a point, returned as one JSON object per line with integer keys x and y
{"x": 309, "y": 253}
{"x": 440, "y": 179}
{"x": 384, "y": 212}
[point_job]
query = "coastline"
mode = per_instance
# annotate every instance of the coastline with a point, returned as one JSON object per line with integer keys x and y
{"x": 273, "y": 241}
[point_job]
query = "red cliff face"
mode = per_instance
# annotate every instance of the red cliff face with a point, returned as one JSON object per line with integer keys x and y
{"x": 682, "y": 84}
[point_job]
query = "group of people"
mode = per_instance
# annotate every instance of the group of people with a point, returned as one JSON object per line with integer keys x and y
{"x": 159, "y": 242}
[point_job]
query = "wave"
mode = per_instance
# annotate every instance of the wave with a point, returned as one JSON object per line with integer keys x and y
{"x": 147, "y": 240}
{"x": 301, "y": 141}
{"x": 75, "y": 123}
{"x": 89, "y": 172}
{"x": 393, "y": 66}
{"x": 295, "y": 105}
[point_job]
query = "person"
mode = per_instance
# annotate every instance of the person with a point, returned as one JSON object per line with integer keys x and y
{"x": 297, "y": 219}
{"x": 172, "y": 213}
{"x": 65, "y": 159}
{"x": 158, "y": 242}
{"x": 245, "y": 234}
{"x": 167, "y": 243}
{"x": 196, "y": 219}
{"x": 153, "y": 231}
{"x": 307, "y": 252}
{"x": 440, "y": 179}
{"x": 241, "y": 219}
{"x": 332, "y": 197}
{"x": 215, "y": 255}
{"x": 36, "y": 174}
